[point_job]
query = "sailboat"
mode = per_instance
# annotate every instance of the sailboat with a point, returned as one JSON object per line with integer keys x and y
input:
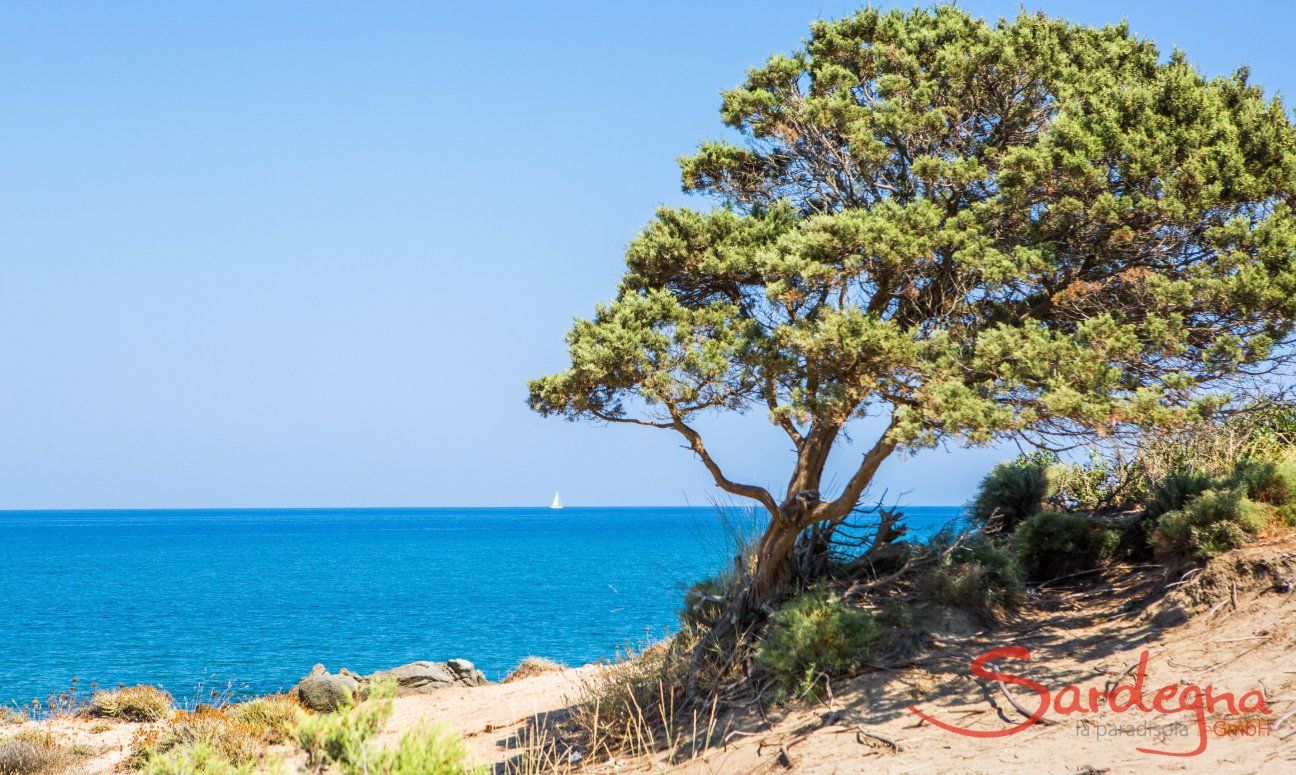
{"x": 557, "y": 501}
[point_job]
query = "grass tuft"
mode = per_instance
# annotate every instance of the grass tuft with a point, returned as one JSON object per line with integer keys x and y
{"x": 134, "y": 703}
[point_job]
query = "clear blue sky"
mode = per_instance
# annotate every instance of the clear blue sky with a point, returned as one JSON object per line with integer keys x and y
{"x": 299, "y": 254}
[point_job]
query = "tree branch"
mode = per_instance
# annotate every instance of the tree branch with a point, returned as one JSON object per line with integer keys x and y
{"x": 759, "y": 494}
{"x": 843, "y": 504}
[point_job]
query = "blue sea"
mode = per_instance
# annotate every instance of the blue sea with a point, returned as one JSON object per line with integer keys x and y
{"x": 196, "y": 601}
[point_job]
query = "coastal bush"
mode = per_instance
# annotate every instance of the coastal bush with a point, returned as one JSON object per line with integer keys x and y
{"x": 1054, "y": 543}
{"x": 1011, "y": 492}
{"x": 533, "y": 666}
{"x": 235, "y": 742}
{"x": 704, "y": 602}
{"x": 272, "y": 717}
{"x": 424, "y": 750}
{"x": 10, "y": 716}
{"x": 198, "y": 758}
{"x": 812, "y": 636}
{"x": 33, "y": 752}
{"x": 134, "y": 703}
{"x": 1269, "y": 481}
{"x": 1176, "y": 490}
{"x": 976, "y": 575}
{"x": 1213, "y": 523}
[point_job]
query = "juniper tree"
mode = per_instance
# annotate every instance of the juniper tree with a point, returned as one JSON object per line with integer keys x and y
{"x": 974, "y": 230}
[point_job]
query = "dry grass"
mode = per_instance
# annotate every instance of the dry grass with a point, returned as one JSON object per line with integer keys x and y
{"x": 533, "y": 666}
{"x": 272, "y": 716}
{"x": 134, "y": 703}
{"x": 9, "y": 716}
{"x": 33, "y": 752}
{"x": 234, "y": 742}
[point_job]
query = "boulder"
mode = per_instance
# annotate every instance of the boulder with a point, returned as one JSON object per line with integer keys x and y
{"x": 418, "y": 677}
{"x": 323, "y": 691}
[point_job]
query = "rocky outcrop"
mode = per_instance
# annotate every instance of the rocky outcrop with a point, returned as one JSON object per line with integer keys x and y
{"x": 324, "y": 691}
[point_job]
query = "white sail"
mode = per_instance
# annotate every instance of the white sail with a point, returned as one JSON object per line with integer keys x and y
{"x": 557, "y": 501}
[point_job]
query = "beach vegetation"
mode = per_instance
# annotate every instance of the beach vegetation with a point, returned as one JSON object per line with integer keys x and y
{"x": 813, "y": 637}
{"x": 1011, "y": 492}
{"x": 533, "y": 666}
{"x": 132, "y": 703}
{"x": 34, "y": 752}
{"x": 978, "y": 575}
{"x": 1050, "y": 544}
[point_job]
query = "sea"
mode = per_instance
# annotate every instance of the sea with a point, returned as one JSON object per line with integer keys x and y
{"x": 245, "y": 601}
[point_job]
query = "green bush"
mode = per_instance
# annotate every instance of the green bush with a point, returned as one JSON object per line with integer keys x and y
{"x": 1054, "y": 543}
{"x": 199, "y": 758}
{"x": 977, "y": 575}
{"x": 1215, "y": 522}
{"x": 701, "y": 601}
{"x": 423, "y": 750}
{"x": 1011, "y": 492}
{"x": 810, "y": 636}
{"x": 1267, "y": 481}
{"x": 1176, "y": 490}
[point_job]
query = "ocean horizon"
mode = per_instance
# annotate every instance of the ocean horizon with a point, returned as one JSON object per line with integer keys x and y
{"x": 245, "y": 601}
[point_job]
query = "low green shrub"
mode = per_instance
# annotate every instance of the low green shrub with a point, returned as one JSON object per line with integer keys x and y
{"x": 813, "y": 635}
{"x": 423, "y": 750}
{"x": 702, "y": 602}
{"x": 977, "y": 575}
{"x": 1176, "y": 490}
{"x": 33, "y": 752}
{"x": 133, "y": 703}
{"x": 1051, "y": 544}
{"x": 1011, "y": 492}
{"x": 1267, "y": 481}
{"x": 199, "y": 758}
{"x": 1213, "y": 523}
{"x": 236, "y": 743}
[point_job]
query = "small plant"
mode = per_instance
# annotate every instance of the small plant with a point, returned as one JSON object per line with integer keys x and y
{"x": 1054, "y": 543}
{"x": 272, "y": 717}
{"x": 198, "y": 758}
{"x": 813, "y": 635}
{"x": 423, "y": 750}
{"x": 135, "y": 703}
{"x": 343, "y": 736}
{"x": 33, "y": 752}
{"x": 976, "y": 574}
{"x": 533, "y": 666}
{"x": 1213, "y": 523}
{"x": 10, "y": 716}
{"x": 1012, "y": 491}
{"x": 235, "y": 742}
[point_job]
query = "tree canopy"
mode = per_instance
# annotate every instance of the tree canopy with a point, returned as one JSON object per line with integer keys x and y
{"x": 972, "y": 229}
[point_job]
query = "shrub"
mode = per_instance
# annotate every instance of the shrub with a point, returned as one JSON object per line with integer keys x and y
{"x": 32, "y": 752}
{"x": 9, "y": 716}
{"x": 343, "y": 737}
{"x": 195, "y": 759}
{"x": 810, "y": 636}
{"x": 272, "y": 717}
{"x": 135, "y": 703}
{"x": 533, "y": 666}
{"x": 977, "y": 575}
{"x": 1267, "y": 481}
{"x": 1054, "y": 543}
{"x": 423, "y": 750}
{"x": 1011, "y": 492}
{"x": 703, "y": 601}
{"x": 1215, "y": 522}
{"x": 1176, "y": 490}
{"x": 235, "y": 742}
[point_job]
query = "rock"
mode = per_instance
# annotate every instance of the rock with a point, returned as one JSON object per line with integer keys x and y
{"x": 460, "y": 666}
{"x": 324, "y": 692}
{"x": 319, "y": 669}
{"x": 418, "y": 677}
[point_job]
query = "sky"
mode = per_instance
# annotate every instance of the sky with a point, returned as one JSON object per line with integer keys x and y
{"x": 308, "y": 254}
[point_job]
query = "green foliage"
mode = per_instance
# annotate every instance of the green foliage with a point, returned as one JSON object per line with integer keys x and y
{"x": 704, "y": 601}
{"x": 1054, "y": 543}
{"x": 813, "y": 635}
{"x": 346, "y": 740}
{"x": 197, "y": 758}
{"x": 1011, "y": 492}
{"x": 1175, "y": 491}
{"x": 1267, "y": 481}
{"x": 1213, "y": 523}
{"x": 977, "y": 575}
{"x": 981, "y": 229}
{"x": 134, "y": 703}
